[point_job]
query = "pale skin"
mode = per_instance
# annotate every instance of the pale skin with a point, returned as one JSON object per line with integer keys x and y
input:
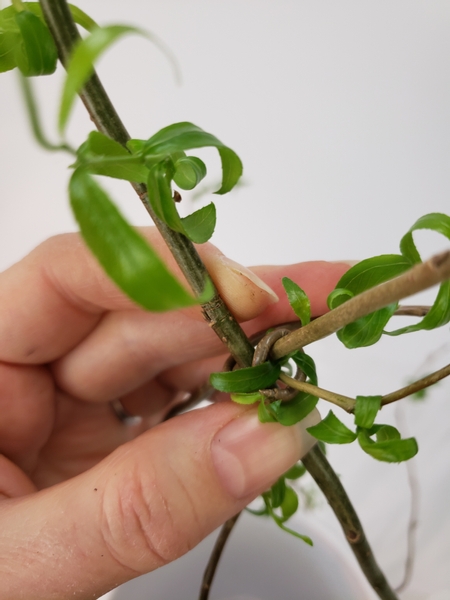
{"x": 87, "y": 502}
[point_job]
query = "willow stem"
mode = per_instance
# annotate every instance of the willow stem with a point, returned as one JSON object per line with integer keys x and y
{"x": 348, "y": 404}
{"x": 106, "y": 119}
{"x": 418, "y": 278}
{"x": 215, "y": 556}
{"x": 331, "y": 486}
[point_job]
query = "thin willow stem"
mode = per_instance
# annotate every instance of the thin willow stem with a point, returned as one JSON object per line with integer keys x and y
{"x": 418, "y": 385}
{"x": 214, "y": 558}
{"x": 348, "y": 404}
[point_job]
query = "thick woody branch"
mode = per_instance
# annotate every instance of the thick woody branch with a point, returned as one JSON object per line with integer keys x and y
{"x": 418, "y": 278}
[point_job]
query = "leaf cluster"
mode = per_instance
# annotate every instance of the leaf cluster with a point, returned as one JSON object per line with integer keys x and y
{"x": 378, "y": 269}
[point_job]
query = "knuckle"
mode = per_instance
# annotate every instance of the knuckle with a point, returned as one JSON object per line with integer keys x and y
{"x": 141, "y": 524}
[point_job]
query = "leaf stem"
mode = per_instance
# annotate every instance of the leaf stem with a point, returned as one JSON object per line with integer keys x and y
{"x": 330, "y": 484}
{"x": 418, "y": 278}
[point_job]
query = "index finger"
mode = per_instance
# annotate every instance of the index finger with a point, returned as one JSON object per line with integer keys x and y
{"x": 52, "y": 299}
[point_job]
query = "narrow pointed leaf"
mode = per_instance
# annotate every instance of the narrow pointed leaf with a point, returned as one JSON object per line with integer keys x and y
{"x": 246, "y": 380}
{"x": 366, "y": 410}
{"x": 125, "y": 256}
{"x": 332, "y": 431}
{"x": 392, "y": 450}
{"x": 86, "y": 53}
{"x": 298, "y": 300}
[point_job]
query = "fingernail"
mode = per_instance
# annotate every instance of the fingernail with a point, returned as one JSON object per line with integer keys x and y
{"x": 350, "y": 263}
{"x": 245, "y": 272}
{"x": 249, "y": 455}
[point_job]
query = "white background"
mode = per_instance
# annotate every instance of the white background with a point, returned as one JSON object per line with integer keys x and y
{"x": 340, "y": 113}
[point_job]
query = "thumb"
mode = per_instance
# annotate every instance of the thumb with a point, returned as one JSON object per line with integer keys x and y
{"x": 145, "y": 505}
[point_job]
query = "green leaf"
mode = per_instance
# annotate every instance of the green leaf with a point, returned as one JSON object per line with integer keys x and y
{"x": 187, "y": 136}
{"x": 292, "y": 411}
{"x": 86, "y": 52}
{"x": 289, "y": 505}
{"x": 247, "y": 398}
{"x": 295, "y": 472}
{"x": 439, "y": 313}
{"x": 125, "y": 256}
{"x": 246, "y": 380}
{"x": 373, "y": 271}
{"x": 278, "y": 491}
{"x": 199, "y": 226}
{"x": 391, "y": 450}
{"x": 367, "y": 330}
{"x": 101, "y": 155}
{"x": 306, "y": 364}
{"x": 298, "y": 300}
{"x": 366, "y": 410}
{"x": 9, "y": 41}
{"x": 189, "y": 171}
{"x": 264, "y": 415}
{"x": 332, "y": 431}
{"x": 36, "y": 52}
{"x": 438, "y": 222}
{"x": 81, "y": 18}
{"x": 363, "y": 276}
{"x": 35, "y": 121}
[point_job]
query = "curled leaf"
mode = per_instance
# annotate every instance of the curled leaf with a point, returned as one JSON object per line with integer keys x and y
{"x": 388, "y": 450}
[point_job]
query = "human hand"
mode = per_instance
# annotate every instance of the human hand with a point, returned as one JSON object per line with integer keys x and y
{"x": 88, "y": 502}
